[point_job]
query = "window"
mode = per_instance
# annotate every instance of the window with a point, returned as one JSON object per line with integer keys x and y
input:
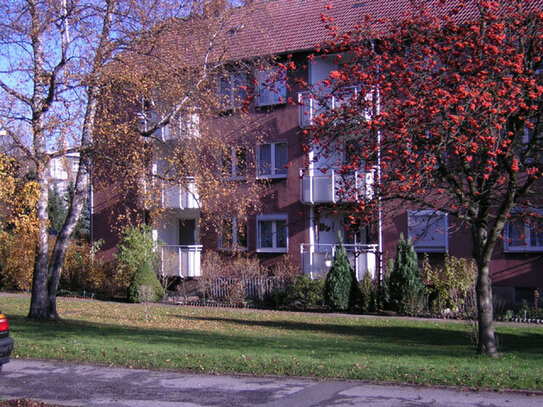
{"x": 271, "y": 87}
{"x": 233, "y": 234}
{"x": 272, "y": 160}
{"x": 428, "y": 231}
{"x": 232, "y": 90}
{"x": 272, "y": 233}
{"x": 184, "y": 126}
{"x": 524, "y": 235}
{"x": 189, "y": 125}
{"x": 234, "y": 163}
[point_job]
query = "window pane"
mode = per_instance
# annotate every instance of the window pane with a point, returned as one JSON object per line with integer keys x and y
{"x": 536, "y": 234}
{"x": 265, "y": 229}
{"x": 428, "y": 232}
{"x": 227, "y": 163}
{"x": 280, "y": 158}
{"x": 225, "y": 92}
{"x": 281, "y": 235}
{"x": 242, "y": 235}
{"x": 263, "y": 96}
{"x": 272, "y": 87}
{"x": 226, "y": 236}
{"x": 264, "y": 159}
{"x": 517, "y": 233}
{"x": 241, "y": 161}
{"x": 239, "y": 88}
{"x": 280, "y": 88}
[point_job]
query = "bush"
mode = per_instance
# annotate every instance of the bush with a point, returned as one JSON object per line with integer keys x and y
{"x": 18, "y": 230}
{"x": 145, "y": 277}
{"x": 337, "y": 286}
{"x": 301, "y": 292}
{"x": 17, "y": 256}
{"x": 405, "y": 284}
{"x": 453, "y": 284}
{"x": 233, "y": 273}
{"x": 136, "y": 249}
{"x": 80, "y": 271}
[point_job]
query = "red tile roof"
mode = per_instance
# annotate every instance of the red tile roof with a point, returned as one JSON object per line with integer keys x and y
{"x": 282, "y": 26}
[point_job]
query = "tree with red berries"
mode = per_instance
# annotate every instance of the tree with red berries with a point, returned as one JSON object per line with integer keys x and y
{"x": 449, "y": 108}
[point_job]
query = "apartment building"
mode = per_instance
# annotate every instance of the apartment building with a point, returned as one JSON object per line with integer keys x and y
{"x": 303, "y": 213}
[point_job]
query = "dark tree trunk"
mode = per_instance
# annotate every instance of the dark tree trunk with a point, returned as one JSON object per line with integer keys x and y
{"x": 482, "y": 251}
{"x": 485, "y": 316}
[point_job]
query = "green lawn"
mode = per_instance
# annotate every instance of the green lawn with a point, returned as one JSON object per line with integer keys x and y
{"x": 277, "y": 343}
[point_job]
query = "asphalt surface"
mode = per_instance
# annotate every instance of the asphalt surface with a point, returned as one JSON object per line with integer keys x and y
{"x": 91, "y": 385}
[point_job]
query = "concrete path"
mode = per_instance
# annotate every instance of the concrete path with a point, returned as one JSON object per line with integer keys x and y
{"x": 90, "y": 385}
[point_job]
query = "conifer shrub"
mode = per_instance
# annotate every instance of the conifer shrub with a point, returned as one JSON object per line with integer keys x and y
{"x": 145, "y": 276}
{"x": 406, "y": 289}
{"x": 337, "y": 286}
{"x": 367, "y": 294}
{"x": 355, "y": 296}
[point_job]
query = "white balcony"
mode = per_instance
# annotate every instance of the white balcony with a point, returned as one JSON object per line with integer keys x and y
{"x": 185, "y": 127}
{"x": 181, "y": 197}
{"x": 180, "y": 261}
{"x": 319, "y": 186}
{"x": 310, "y": 107}
{"x": 317, "y": 258}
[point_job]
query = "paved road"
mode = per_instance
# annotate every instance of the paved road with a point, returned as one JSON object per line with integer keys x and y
{"x": 89, "y": 385}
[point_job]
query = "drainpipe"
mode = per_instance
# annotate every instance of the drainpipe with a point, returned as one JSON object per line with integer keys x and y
{"x": 379, "y": 202}
{"x": 311, "y": 237}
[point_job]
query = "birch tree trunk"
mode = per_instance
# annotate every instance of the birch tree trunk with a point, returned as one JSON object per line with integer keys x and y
{"x": 47, "y": 269}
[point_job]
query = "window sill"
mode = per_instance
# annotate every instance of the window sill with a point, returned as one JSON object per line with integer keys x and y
{"x": 272, "y": 250}
{"x": 279, "y": 176}
{"x": 430, "y": 249}
{"x": 268, "y": 105}
{"x": 236, "y": 178}
{"x": 233, "y": 249}
{"x": 523, "y": 249}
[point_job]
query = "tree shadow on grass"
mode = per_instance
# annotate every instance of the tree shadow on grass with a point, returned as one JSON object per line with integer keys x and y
{"x": 432, "y": 335}
{"x": 431, "y": 342}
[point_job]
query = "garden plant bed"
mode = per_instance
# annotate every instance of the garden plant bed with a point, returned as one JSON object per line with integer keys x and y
{"x": 401, "y": 350}
{"x": 23, "y": 403}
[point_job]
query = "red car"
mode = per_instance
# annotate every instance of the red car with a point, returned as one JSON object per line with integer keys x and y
{"x": 6, "y": 343}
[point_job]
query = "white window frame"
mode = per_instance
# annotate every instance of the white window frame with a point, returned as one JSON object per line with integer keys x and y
{"x": 508, "y": 248}
{"x": 274, "y": 219}
{"x": 271, "y": 87}
{"x": 235, "y": 242}
{"x": 433, "y": 218}
{"x": 273, "y": 174}
{"x": 232, "y": 174}
{"x": 228, "y": 100}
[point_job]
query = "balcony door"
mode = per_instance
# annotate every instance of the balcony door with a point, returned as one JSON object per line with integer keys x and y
{"x": 187, "y": 232}
{"x": 330, "y": 224}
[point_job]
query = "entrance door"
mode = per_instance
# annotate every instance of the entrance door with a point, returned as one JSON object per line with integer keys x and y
{"x": 187, "y": 232}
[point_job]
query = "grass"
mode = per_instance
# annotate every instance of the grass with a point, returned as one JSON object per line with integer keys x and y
{"x": 276, "y": 343}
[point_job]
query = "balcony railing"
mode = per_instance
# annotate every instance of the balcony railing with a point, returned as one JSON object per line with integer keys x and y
{"x": 317, "y": 258}
{"x": 309, "y": 106}
{"x": 181, "y": 197}
{"x": 180, "y": 261}
{"x": 329, "y": 186}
